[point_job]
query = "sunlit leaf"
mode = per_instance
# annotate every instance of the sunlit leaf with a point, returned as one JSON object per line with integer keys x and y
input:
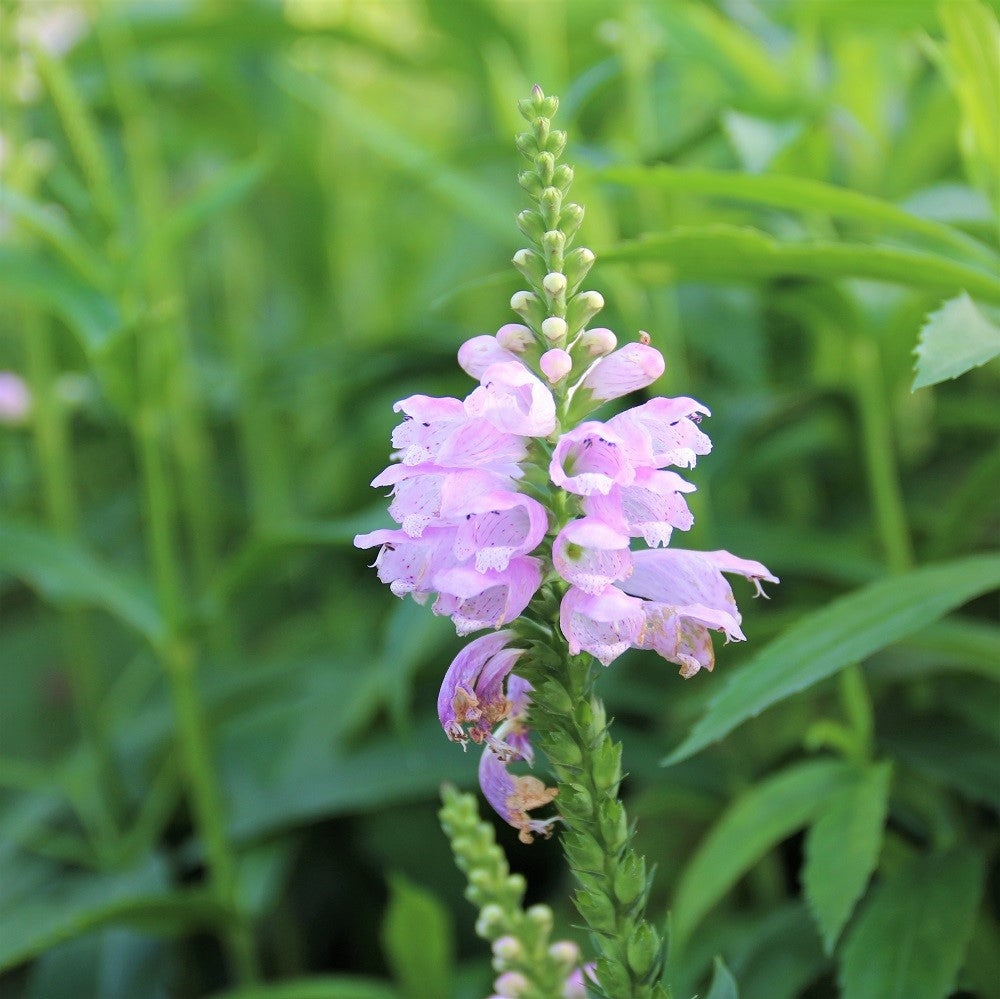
{"x": 909, "y": 940}
{"x": 957, "y": 337}
{"x": 846, "y": 631}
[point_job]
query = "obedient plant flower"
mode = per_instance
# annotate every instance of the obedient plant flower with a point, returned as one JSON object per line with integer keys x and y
{"x": 522, "y": 513}
{"x": 15, "y": 398}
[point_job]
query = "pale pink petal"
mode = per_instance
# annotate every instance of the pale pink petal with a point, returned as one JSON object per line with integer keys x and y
{"x": 498, "y": 526}
{"x": 590, "y": 459}
{"x": 650, "y": 508}
{"x": 628, "y": 369}
{"x": 677, "y": 638}
{"x": 555, "y": 364}
{"x": 590, "y": 554}
{"x": 603, "y": 624}
{"x": 515, "y": 337}
{"x": 408, "y": 565}
{"x": 477, "y": 354}
{"x": 514, "y": 401}
{"x": 663, "y": 432}
{"x": 476, "y": 600}
{"x": 754, "y": 571}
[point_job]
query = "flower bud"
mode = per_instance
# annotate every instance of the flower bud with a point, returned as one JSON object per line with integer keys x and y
{"x": 555, "y": 142}
{"x": 555, "y": 363}
{"x": 526, "y": 145}
{"x": 598, "y": 342}
{"x": 490, "y": 920}
{"x": 541, "y": 127}
{"x": 554, "y": 283}
{"x": 577, "y": 265}
{"x": 545, "y": 167}
{"x": 643, "y": 950}
{"x": 553, "y": 244}
{"x": 598, "y": 910}
{"x": 554, "y": 328}
{"x": 562, "y": 750}
{"x": 613, "y": 824}
{"x": 582, "y": 308}
{"x": 583, "y": 851}
{"x": 515, "y": 337}
{"x": 15, "y": 399}
{"x": 607, "y": 770}
{"x": 570, "y": 219}
{"x": 531, "y": 265}
{"x": 562, "y": 177}
{"x": 614, "y": 977}
{"x": 508, "y": 948}
{"x": 531, "y": 182}
{"x": 511, "y": 985}
{"x": 530, "y": 223}
{"x": 529, "y": 306}
{"x": 630, "y": 878}
{"x": 566, "y": 953}
{"x": 516, "y": 884}
{"x": 576, "y": 801}
{"x": 541, "y": 916}
{"x": 550, "y": 204}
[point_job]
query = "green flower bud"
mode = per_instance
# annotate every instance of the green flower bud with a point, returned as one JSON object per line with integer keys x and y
{"x": 527, "y": 145}
{"x": 583, "y": 850}
{"x": 562, "y": 177}
{"x": 562, "y": 750}
{"x": 575, "y": 801}
{"x": 541, "y": 128}
{"x": 529, "y": 307}
{"x": 630, "y": 878}
{"x": 531, "y": 265}
{"x": 598, "y": 910}
{"x": 491, "y": 920}
{"x": 643, "y": 950}
{"x": 545, "y": 166}
{"x": 613, "y": 824}
{"x": 553, "y": 244}
{"x": 554, "y": 696}
{"x": 582, "y": 308}
{"x": 531, "y": 182}
{"x": 570, "y": 219}
{"x": 550, "y": 204}
{"x": 554, "y": 329}
{"x": 607, "y": 769}
{"x": 547, "y": 107}
{"x": 614, "y": 977}
{"x": 531, "y": 224}
{"x": 577, "y": 266}
{"x": 555, "y": 142}
{"x": 541, "y": 917}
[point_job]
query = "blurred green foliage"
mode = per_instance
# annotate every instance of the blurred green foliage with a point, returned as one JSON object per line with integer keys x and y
{"x": 233, "y": 232}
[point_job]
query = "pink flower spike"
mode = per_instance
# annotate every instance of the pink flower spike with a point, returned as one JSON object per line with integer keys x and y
{"x": 513, "y": 400}
{"x": 498, "y": 526}
{"x": 476, "y": 600}
{"x": 663, "y": 432}
{"x": 477, "y": 354}
{"x": 591, "y": 555}
{"x": 512, "y": 796}
{"x": 632, "y": 367}
{"x": 604, "y": 624}
{"x": 590, "y": 459}
{"x": 472, "y": 691}
{"x": 555, "y": 364}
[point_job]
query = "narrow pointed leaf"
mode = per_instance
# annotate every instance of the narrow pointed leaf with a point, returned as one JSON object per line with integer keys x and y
{"x": 723, "y": 984}
{"x": 957, "y": 337}
{"x": 846, "y": 631}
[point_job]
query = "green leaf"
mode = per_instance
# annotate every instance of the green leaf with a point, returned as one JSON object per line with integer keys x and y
{"x": 66, "y": 572}
{"x": 417, "y": 938}
{"x": 842, "y": 848}
{"x": 723, "y": 984}
{"x": 909, "y": 941}
{"x": 758, "y": 141}
{"x": 954, "y": 339}
{"x": 754, "y": 824}
{"x": 796, "y": 194}
{"x": 736, "y": 253}
{"x": 77, "y": 904}
{"x": 320, "y": 987}
{"x": 29, "y": 278}
{"x": 846, "y": 631}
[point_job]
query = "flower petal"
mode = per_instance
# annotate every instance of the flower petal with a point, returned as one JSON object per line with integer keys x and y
{"x": 604, "y": 624}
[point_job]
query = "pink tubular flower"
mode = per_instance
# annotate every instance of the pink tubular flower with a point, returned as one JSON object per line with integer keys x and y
{"x": 477, "y": 600}
{"x": 477, "y": 354}
{"x": 591, "y": 555}
{"x": 497, "y": 526}
{"x": 591, "y": 459}
{"x": 604, "y": 624}
{"x": 513, "y": 400}
{"x": 663, "y": 432}
{"x": 628, "y": 369}
{"x": 510, "y": 795}
{"x": 472, "y": 692}
{"x": 409, "y": 565}
{"x": 555, "y": 364}
{"x": 650, "y": 508}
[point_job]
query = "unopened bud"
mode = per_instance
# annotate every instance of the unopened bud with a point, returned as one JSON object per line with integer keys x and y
{"x": 531, "y": 265}
{"x": 515, "y": 337}
{"x": 526, "y": 145}
{"x": 545, "y": 166}
{"x": 562, "y": 177}
{"x": 529, "y": 306}
{"x": 570, "y": 219}
{"x": 550, "y": 204}
{"x": 508, "y": 948}
{"x": 555, "y": 142}
{"x": 530, "y": 223}
{"x": 555, "y": 363}
{"x": 630, "y": 878}
{"x": 491, "y": 918}
{"x": 554, "y": 328}
{"x": 598, "y": 342}
{"x": 613, "y": 824}
{"x": 577, "y": 265}
{"x": 531, "y": 182}
{"x": 598, "y": 910}
{"x": 554, "y": 243}
{"x": 582, "y": 308}
{"x": 643, "y": 950}
{"x": 511, "y": 985}
{"x": 554, "y": 283}
{"x": 541, "y": 916}
{"x": 607, "y": 766}
{"x": 566, "y": 953}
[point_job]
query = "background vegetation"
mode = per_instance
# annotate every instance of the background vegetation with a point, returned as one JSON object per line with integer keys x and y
{"x": 232, "y": 233}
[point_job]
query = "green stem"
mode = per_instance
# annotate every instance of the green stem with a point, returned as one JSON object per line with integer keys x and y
{"x": 571, "y": 725}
